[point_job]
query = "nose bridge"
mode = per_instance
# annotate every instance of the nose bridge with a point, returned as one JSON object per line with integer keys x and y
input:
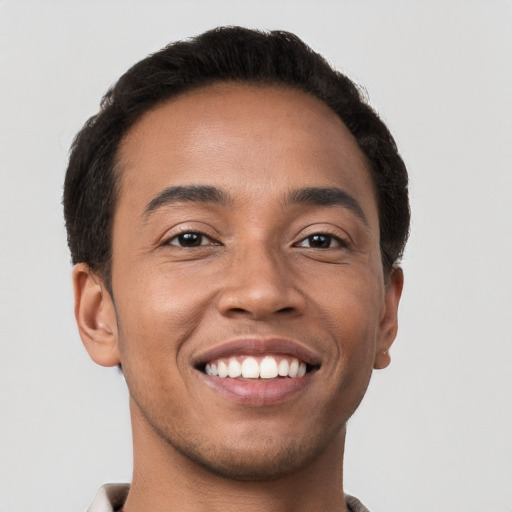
{"x": 260, "y": 283}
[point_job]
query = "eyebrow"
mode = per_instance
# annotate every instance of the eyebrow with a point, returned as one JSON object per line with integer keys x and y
{"x": 187, "y": 193}
{"x": 327, "y": 196}
{"x": 314, "y": 196}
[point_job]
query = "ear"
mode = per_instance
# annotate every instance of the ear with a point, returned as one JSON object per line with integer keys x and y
{"x": 95, "y": 316}
{"x": 389, "y": 321}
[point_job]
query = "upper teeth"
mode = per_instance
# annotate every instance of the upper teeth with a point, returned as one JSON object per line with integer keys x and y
{"x": 249, "y": 367}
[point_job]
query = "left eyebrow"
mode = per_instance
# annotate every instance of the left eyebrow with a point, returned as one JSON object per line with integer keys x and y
{"x": 326, "y": 196}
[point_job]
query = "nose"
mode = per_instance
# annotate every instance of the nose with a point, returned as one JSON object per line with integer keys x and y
{"x": 260, "y": 285}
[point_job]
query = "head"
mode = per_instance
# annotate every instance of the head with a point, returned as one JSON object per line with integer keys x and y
{"x": 236, "y": 200}
{"x": 231, "y": 54}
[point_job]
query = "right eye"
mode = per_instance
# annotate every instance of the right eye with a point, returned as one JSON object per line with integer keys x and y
{"x": 191, "y": 239}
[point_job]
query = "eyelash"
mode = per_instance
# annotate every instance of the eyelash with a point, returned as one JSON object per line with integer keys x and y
{"x": 342, "y": 242}
{"x": 198, "y": 234}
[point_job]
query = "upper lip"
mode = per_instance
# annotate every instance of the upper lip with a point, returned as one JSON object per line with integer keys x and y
{"x": 258, "y": 346}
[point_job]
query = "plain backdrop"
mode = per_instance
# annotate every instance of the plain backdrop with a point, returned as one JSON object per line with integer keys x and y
{"x": 435, "y": 430}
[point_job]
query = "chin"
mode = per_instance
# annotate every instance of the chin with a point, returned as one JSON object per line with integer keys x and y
{"x": 256, "y": 460}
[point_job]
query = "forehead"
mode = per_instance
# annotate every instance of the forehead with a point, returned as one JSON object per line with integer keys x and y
{"x": 242, "y": 137}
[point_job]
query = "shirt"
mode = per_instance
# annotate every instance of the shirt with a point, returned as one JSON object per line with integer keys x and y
{"x": 111, "y": 497}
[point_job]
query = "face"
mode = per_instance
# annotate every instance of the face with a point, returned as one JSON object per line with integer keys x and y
{"x": 246, "y": 240}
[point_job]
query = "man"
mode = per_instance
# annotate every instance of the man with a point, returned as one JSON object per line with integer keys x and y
{"x": 235, "y": 213}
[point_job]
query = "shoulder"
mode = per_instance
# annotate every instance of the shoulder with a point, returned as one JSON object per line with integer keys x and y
{"x": 355, "y": 505}
{"x": 109, "y": 498}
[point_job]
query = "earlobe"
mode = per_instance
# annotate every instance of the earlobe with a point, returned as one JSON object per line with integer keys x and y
{"x": 389, "y": 322}
{"x": 95, "y": 316}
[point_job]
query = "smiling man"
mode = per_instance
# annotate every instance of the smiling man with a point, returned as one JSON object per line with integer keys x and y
{"x": 235, "y": 213}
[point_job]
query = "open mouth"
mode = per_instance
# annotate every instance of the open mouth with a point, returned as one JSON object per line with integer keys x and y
{"x": 258, "y": 367}
{"x": 259, "y": 371}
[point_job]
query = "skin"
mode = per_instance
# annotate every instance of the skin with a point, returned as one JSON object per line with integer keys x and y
{"x": 257, "y": 273}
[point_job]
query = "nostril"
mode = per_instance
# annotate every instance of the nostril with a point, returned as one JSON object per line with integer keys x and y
{"x": 286, "y": 310}
{"x": 238, "y": 310}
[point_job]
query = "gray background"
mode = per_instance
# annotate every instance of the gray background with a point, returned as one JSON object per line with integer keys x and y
{"x": 434, "y": 432}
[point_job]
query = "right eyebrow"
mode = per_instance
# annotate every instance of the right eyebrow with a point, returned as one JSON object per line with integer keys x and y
{"x": 187, "y": 193}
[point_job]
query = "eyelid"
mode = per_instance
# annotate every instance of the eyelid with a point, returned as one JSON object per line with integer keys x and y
{"x": 344, "y": 239}
{"x": 175, "y": 237}
{"x": 340, "y": 241}
{"x": 182, "y": 230}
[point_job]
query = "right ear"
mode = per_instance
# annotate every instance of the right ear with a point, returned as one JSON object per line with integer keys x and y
{"x": 95, "y": 316}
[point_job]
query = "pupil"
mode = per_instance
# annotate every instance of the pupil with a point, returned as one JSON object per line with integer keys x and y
{"x": 320, "y": 241}
{"x": 190, "y": 239}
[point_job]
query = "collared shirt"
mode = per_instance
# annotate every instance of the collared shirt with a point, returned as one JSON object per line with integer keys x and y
{"x": 111, "y": 497}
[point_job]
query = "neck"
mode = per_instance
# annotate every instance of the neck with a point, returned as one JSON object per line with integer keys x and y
{"x": 166, "y": 480}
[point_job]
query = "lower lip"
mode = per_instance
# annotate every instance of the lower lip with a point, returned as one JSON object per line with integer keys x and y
{"x": 258, "y": 392}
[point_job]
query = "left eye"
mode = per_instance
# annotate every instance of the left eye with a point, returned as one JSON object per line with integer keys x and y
{"x": 320, "y": 241}
{"x": 191, "y": 239}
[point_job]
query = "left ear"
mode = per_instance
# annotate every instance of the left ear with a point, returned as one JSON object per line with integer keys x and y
{"x": 389, "y": 321}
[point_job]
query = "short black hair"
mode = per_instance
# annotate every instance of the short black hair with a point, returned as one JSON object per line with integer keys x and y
{"x": 224, "y": 54}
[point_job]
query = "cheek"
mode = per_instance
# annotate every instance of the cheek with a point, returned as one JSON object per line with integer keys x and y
{"x": 356, "y": 336}
{"x": 157, "y": 313}
{"x": 161, "y": 309}
{"x": 352, "y": 299}
{"x": 155, "y": 318}
{"x": 352, "y": 308}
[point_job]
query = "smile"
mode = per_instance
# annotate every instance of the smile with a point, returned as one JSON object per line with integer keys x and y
{"x": 258, "y": 372}
{"x": 269, "y": 366}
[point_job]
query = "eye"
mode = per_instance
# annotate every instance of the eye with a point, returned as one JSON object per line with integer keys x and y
{"x": 322, "y": 241}
{"x": 191, "y": 239}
